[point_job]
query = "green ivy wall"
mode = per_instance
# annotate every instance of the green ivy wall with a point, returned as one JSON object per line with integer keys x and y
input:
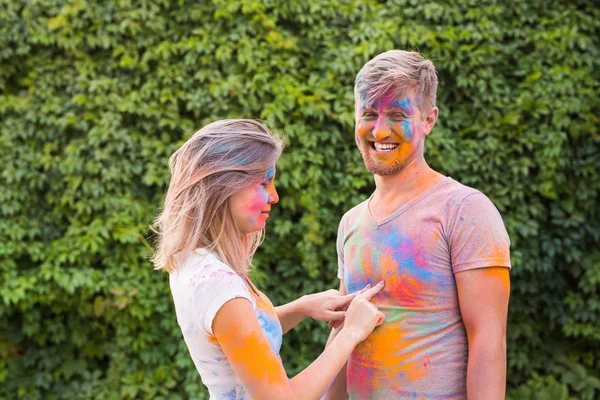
{"x": 95, "y": 96}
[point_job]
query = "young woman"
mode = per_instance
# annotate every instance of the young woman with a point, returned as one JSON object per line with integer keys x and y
{"x": 219, "y": 198}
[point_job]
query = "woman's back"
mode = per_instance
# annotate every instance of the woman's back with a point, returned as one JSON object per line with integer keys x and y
{"x": 200, "y": 286}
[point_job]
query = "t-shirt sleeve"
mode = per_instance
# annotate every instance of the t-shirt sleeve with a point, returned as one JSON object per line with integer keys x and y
{"x": 215, "y": 287}
{"x": 478, "y": 238}
{"x": 340, "y": 247}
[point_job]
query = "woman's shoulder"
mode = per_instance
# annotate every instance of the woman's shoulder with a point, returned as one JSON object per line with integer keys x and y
{"x": 203, "y": 267}
{"x": 199, "y": 259}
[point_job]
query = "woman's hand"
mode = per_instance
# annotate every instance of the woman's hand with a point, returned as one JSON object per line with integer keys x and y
{"x": 329, "y": 305}
{"x": 362, "y": 315}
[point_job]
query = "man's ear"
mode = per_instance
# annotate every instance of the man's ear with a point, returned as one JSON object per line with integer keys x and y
{"x": 430, "y": 120}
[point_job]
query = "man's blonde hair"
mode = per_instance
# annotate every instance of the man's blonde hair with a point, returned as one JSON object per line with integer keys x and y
{"x": 216, "y": 162}
{"x": 393, "y": 73}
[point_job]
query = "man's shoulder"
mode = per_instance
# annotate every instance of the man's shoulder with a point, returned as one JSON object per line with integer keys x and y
{"x": 456, "y": 193}
{"x": 354, "y": 212}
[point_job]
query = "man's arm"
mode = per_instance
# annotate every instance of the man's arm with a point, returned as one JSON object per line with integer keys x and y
{"x": 483, "y": 295}
{"x": 338, "y": 389}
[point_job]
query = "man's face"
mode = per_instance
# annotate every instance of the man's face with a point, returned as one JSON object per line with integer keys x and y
{"x": 390, "y": 134}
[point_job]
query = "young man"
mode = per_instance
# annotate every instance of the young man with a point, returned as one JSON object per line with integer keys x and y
{"x": 440, "y": 246}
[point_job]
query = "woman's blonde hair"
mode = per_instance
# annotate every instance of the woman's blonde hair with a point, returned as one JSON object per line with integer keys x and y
{"x": 394, "y": 72}
{"x": 216, "y": 162}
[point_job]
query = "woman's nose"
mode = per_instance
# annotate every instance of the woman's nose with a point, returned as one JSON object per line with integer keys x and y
{"x": 273, "y": 196}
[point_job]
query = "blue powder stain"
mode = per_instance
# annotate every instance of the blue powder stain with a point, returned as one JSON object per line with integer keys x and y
{"x": 263, "y": 193}
{"x": 270, "y": 173}
{"x": 404, "y": 103}
{"x": 403, "y": 251}
{"x": 462, "y": 218}
{"x": 272, "y": 330}
{"x": 231, "y": 395}
{"x": 215, "y": 374}
{"x": 408, "y": 134}
{"x": 358, "y": 279}
{"x": 227, "y": 150}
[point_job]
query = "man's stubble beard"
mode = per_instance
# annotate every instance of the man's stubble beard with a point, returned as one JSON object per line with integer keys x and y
{"x": 376, "y": 168}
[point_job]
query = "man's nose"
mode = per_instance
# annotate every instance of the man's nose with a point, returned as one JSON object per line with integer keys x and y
{"x": 381, "y": 130}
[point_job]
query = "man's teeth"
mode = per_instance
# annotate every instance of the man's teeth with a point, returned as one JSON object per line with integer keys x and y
{"x": 384, "y": 147}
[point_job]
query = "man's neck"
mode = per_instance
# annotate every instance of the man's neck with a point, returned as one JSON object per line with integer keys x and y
{"x": 407, "y": 183}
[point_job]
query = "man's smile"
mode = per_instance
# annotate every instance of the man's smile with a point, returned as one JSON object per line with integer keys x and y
{"x": 380, "y": 147}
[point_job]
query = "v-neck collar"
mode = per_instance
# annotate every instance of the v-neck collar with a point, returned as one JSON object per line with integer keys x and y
{"x": 407, "y": 205}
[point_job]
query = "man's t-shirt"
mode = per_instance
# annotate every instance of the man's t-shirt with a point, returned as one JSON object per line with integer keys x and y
{"x": 200, "y": 285}
{"x": 420, "y": 352}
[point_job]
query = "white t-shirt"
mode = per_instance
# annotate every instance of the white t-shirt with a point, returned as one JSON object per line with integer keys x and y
{"x": 200, "y": 285}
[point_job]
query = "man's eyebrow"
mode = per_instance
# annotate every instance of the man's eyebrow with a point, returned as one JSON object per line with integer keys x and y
{"x": 365, "y": 108}
{"x": 404, "y": 105}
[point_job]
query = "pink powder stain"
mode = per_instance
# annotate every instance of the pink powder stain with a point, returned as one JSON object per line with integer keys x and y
{"x": 401, "y": 288}
{"x": 215, "y": 274}
{"x": 257, "y": 204}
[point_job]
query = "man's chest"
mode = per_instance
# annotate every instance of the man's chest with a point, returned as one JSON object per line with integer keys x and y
{"x": 411, "y": 256}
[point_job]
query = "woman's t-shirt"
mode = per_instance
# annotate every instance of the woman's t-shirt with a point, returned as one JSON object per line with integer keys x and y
{"x": 200, "y": 285}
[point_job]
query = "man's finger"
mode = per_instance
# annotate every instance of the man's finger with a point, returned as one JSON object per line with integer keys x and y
{"x": 369, "y": 293}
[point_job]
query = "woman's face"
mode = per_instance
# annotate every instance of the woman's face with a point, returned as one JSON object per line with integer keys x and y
{"x": 250, "y": 207}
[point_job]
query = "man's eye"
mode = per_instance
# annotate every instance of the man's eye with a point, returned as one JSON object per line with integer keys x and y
{"x": 369, "y": 114}
{"x": 398, "y": 115}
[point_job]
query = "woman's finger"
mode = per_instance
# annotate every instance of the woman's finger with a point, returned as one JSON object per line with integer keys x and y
{"x": 363, "y": 289}
{"x": 337, "y": 324}
{"x": 380, "y": 318}
{"x": 346, "y": 299}
{"x": 369, "y": 293}
{"x": 335, "y": 315}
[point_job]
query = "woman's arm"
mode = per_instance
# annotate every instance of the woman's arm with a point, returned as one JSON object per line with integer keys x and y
{"x": 338, "y": 389}
{"x": 319, "y": 306}
{"x": 291, "y": 314}
{"x": 239, "y": 333}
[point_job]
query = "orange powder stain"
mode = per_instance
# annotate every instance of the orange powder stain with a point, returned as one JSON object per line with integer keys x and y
{"x": 213, "y": 340}
{"x": 501, "y": 274}
{"x": 387, "y": 265}
{"x": 367, "y": 263}
{"x": 252, "y": 355}
{"x": 378, "y": 355}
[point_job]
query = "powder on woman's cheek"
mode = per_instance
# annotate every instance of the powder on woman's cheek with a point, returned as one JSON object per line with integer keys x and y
{"x": 257, "y": 203}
